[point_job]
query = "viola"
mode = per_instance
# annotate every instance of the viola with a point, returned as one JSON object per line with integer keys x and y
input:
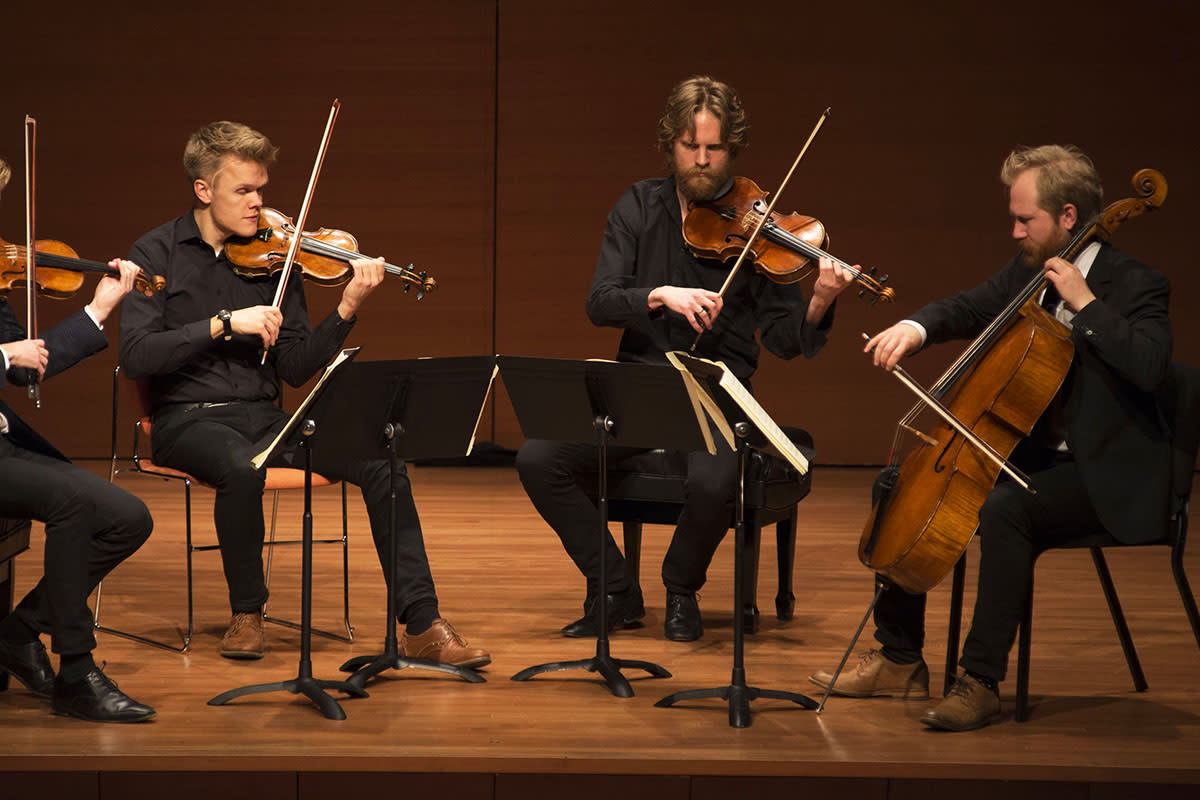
{"x": 59, "y": 271}
{"x": 324, "y": 257}
{"x": 787, "y": 249}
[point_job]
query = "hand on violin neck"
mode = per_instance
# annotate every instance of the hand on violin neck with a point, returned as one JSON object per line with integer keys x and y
{"x": 698, "y": 306}
{"x": 27, "y": 353}
{"x": 368, "y": 273}
{"x": 261, "y": 321}
{"x": 831, "y": 280}
{"x": 111, "y": 290}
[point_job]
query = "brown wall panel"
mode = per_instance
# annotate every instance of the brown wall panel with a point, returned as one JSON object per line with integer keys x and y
{"x": 117, "y": 90}
{"x": 473, "y": 131}
{"x": 926, "y": 103}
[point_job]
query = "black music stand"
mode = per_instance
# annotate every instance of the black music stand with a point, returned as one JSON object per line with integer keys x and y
{"x": 637, "y": 405}
{"x": 750, "y": 431}
{"x": 415, "y": 409}
{"x": 304, "y": 683}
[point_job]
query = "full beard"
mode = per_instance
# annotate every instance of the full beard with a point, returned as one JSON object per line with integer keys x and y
{"x": 699, "y": 188}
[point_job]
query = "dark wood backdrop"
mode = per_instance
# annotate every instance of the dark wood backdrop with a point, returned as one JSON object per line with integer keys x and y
{"x": 486, "y": 141}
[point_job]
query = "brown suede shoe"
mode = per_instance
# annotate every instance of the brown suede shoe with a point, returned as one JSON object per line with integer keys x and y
{"x": 244, "y": 638}
{"x": 967, "y": 706}
{"x": 876, "y": 676}
{"x": 442, "y": 643}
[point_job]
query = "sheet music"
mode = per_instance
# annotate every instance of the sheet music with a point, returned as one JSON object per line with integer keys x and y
{"x": 780, "y": 444}
{"x": 262, "y": 458}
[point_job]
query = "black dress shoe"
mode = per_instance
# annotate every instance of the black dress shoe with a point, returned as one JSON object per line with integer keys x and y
{"x": 96, "y": 698}
{"x": 625, "y": 609}
{"x": 29, "y": 664}
{"x": 683, "y": 618}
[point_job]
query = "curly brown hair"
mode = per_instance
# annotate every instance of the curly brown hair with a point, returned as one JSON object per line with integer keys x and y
{"x": 702, "y": 93}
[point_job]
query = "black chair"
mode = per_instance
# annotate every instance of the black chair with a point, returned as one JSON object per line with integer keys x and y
{"x": 1180, "y": 403}
{"x": 14, "y": 540}
{"x": 649, "y": 488}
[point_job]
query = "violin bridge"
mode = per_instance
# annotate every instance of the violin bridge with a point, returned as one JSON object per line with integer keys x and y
{"x": 929, "y": 440}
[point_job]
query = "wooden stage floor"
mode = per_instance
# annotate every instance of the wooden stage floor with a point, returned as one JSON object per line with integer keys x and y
{"x": 505, "y": 582}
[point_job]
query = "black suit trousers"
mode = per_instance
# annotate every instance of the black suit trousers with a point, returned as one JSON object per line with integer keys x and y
{"x": 91, "y": 527}
{"x": 1013, "y": 525}
{"x": 554, "y": 475}
{"x": 215, "y": 445}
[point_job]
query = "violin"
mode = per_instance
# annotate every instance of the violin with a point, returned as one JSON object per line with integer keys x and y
{"x": 326, "y": 254}
{"x": 786, "y": 251}
{"x": 59, "y": 270}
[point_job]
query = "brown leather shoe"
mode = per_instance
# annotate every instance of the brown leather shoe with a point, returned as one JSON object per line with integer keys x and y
{"x": 244, "y": 638}
{"x": 967, "y": 706}
{"x": 876, "y": 676}
{"x": 442, "y": 643}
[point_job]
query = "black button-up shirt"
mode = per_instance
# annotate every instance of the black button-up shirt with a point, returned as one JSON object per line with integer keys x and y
{"x": 167, "y": 336}
{"x": 643, "y": 248}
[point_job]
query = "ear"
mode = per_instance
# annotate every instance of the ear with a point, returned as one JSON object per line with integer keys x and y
{"x": 1068, "y": 216}
{"x": 203, "y": 191}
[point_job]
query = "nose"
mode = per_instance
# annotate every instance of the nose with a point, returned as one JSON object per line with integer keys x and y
{"x": 1019, "y": 231}
{"x": 702, "y": 157}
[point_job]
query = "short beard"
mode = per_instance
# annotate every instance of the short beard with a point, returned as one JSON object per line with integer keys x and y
{"x": 1036, "y": 255}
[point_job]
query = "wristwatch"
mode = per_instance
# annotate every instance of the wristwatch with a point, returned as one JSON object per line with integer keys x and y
{"x": 227, "y": 320}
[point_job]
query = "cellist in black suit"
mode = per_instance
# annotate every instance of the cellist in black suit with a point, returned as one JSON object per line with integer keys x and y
{"x": 1099, "y": 457}
{"x": 91, "y": 525}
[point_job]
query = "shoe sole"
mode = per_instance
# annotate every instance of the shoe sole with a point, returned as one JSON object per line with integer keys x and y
{"x": 943, "y": 725}
{"x": 895, "y": 695}
{"x": 241, "y": 655}
{"x": 73, "y": 715}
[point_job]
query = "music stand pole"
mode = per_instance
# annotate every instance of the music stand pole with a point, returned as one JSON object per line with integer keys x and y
{"x": 304, "y": 683}
{"x": 367, "y": 667}
{"x": 738, "y": 693}
{"x": 608, "y": 667}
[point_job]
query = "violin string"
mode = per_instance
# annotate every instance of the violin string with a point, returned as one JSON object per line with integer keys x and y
{"x": 314, "y": 245}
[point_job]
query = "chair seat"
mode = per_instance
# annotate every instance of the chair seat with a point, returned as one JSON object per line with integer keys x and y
{"x": 277, "y": 477}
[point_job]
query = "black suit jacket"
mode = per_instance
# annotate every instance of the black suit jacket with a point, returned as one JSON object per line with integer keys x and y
{"x": 69, "y": 342}
{"x": 1122, "y": 355}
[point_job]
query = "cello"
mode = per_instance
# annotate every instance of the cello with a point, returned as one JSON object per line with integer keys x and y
{"x": 989, "y": 399}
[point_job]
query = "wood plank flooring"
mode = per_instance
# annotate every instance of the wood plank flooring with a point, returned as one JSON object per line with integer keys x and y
{"x": 506, "y": 584}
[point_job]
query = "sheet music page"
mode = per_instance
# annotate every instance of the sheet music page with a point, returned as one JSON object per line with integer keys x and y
{"x": 703, "y": 407}
{"x": 259, "y": 460}
{"x": 782, "y": 445}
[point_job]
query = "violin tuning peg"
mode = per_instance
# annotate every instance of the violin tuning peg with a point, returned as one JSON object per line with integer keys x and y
{"x": 883, "y": 279}
{"x": 862, "y": 293}
{"x": 406, "y": 288}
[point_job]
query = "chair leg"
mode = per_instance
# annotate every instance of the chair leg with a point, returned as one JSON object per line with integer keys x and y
{"x": 632, "y": 534}
{"x": 187, "y": 635}
{"x": 1118, "y": 618}
{"x": 954, "y": 629}
{"x": 271, "y": 544}
{"x": 753, "y": 541}
{"x": 1023, "y": 640}
{"x": 1181, "y": 582}
{"x": 785, "y": 548}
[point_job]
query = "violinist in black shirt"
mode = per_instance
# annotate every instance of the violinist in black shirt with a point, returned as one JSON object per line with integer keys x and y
{"x": 649, "y": 284}
{"x": 199, "y": 346}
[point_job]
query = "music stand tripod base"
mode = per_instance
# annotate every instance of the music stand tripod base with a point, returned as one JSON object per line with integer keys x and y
{"x": 303, "y": 683}
{"x": 367, "y": 667}
{"x": 737, "y": 693}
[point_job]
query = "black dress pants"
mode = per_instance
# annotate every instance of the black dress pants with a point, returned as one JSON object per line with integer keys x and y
{"x": 91, "y": 527}
{"x": 554, "y": 475}
{"x": 215, "y": 444}
{"x": 1013, "y": 524}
